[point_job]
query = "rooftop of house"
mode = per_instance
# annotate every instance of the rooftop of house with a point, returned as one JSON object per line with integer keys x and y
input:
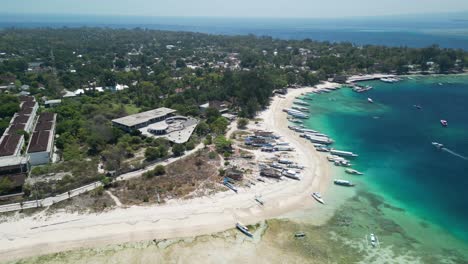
{"x": 9, "y": 144}
{"x": 46, "y": 116}
{"x": 14, "y": 128}
{"x": 39, "y": 141}
{"x": 24, "y": 98}
{"x": 28, "y": 104}
{"x": 20, "y": 119}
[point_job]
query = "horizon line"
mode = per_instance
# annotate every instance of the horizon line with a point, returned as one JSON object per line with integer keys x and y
{"x": 234, "y": 17}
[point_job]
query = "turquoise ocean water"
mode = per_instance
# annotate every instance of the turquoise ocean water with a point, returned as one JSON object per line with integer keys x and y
{"x": 393, "y": 139}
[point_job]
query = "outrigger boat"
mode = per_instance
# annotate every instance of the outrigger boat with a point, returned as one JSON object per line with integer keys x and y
{"x": 344, "y": 183}
{"x": 244, "y": 229}
{"x": 351, "y": 171}
{"x": 259, "y": 200}
{"x": 318, "y": 197}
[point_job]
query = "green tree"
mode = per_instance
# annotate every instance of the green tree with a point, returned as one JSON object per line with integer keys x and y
{"x": 152, "y": 153}
{"x": 219, "y": 125}
{"x": 178, "y": 150}
{"x": 222, "y": 144}
{"x": 5, "y": 185}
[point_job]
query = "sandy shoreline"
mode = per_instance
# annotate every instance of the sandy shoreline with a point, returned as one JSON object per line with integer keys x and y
{"x": 41, "y": 234}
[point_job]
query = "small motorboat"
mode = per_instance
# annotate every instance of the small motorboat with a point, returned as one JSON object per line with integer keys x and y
{"x": 417, "y": 107}
{"x": 299, "y": 234}
{"x": 444, "y": 123}
{"x": 244, "y": 229}
{"x": 373, "y": 240}
{"x": 370, "y": 100}
{"x": 318, "y": 197}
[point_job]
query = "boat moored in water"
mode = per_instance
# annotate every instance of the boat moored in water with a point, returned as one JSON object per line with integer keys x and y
{"x": 300, "y": 102}
{"x": 351, "y": 171}
{"x": 370, "y": 100}
{"x": 444, "y": 122}
{"x": 343, "y": 153}
{"x": 344, "y": 183}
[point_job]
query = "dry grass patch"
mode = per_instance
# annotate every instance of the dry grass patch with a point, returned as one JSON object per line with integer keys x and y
{"x": 192, "y": 176}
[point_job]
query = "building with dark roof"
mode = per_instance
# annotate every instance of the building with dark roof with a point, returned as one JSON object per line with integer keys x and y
{"x": 41, "y": 144}
{"x": 14, "y": 129}
{"x": 10, "y": 145}
{"x": 27, "y": 98}
{"x": 13, "y": 164}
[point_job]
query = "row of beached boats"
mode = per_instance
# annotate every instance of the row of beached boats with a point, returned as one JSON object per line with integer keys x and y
{"x": 322, "y": 142}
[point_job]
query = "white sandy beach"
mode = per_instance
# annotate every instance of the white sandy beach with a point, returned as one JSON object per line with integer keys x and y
{"x": 42, "y": 234}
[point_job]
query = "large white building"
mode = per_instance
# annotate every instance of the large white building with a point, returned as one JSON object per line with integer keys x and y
{"x": 159, "y": 122}
{"x": 134, "y": 122}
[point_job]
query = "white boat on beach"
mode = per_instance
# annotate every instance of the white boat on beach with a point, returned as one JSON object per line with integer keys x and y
{"x": 318, "y": 197}
{"x": 291, "y": 174}
{"x": 244, "y": 229}
{"x": 259, "y": 200}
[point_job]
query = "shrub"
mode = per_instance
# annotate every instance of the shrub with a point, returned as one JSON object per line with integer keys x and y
{"x": 242, "y": 123}
{"x": 159, "y": 170}
{"x": 212, "y": 155}
{"x": 178, "y": 150}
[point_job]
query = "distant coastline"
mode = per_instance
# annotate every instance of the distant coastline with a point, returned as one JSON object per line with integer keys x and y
{"x": 374, "y": 31}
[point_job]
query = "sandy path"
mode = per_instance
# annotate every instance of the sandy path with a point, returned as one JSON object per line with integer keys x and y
{"x": 38, "y": 235}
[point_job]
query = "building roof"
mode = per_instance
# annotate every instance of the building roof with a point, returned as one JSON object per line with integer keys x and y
{"x": 25, "y": 111}
{"x": 20, "y": 119}
{"x": 143, "y": 117}
{"x": 55, "y": 101}
{"x": 28, "y": 104}
{"x": 45, "y": 121}
{"x": 9, "y": 144}
{"x": 46, "y": 117}
{"x": 12, "y": 129}
{"x": 24, "y": 98}
{"x": 39, "y": 141}
{"x": 44, "y": 126}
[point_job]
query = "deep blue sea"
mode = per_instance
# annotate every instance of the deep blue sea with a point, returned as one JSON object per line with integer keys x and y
{"x": 446, "y": 30}
{"x": 393, "y": 139}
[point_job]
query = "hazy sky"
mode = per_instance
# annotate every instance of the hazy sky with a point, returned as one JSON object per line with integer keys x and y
{"x": 235, "y": 8}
